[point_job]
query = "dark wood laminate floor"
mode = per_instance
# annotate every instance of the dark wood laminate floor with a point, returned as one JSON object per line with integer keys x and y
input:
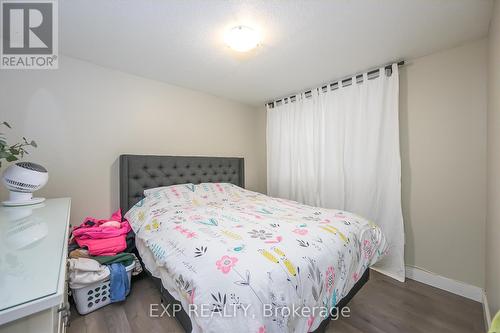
{"x": 382, "y": 306}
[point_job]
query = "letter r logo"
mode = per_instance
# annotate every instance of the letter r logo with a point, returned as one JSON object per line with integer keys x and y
{"x": 27, "y": 27}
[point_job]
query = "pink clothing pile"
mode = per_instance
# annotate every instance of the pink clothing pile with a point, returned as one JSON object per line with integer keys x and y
{"x": 103, "y": 237}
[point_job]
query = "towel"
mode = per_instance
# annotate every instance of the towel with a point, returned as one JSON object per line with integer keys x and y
{"x": 119, "y": 285}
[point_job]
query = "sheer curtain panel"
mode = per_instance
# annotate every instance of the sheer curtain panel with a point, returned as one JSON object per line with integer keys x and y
{"x": 339, "y": 148}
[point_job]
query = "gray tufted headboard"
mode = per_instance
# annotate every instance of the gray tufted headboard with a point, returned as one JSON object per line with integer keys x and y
{"x": 140, "y": 172}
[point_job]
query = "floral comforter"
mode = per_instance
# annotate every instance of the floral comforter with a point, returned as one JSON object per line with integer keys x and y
{"x": 240, "y": 261}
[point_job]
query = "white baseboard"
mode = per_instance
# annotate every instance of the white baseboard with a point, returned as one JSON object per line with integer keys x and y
{"x": 456, "y": 287}
{"x": 486, "y": 311}
{"x": 387, "y": 273}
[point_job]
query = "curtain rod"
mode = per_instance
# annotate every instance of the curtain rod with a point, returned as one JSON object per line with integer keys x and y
{"x": 369, "y": 72}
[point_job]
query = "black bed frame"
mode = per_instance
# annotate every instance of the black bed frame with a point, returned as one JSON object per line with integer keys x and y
{"x": 141, "y": 172}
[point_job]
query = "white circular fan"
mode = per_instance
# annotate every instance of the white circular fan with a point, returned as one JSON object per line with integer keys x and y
{"x": 22, "y": 179}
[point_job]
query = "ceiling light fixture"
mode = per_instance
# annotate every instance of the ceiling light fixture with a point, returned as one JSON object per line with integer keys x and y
{"x": 242, "y": 38}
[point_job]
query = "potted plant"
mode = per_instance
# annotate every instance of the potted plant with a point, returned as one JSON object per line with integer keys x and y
{"x": 11, "y": 153}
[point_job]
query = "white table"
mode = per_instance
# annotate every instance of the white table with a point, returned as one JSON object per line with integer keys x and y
{"x": 33, "y": 251}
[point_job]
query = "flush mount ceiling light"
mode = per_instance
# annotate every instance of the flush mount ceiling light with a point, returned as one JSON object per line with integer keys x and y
{"x": 242, "y": 38}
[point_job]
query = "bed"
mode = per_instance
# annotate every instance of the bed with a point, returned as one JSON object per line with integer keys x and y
{"x": 232, "y": 259}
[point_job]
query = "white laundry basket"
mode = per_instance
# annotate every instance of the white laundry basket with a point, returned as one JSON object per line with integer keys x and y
{"x": 96, "y": 294}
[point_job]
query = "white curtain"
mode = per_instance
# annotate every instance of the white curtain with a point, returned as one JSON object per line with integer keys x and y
{"x": 340, "y": 149}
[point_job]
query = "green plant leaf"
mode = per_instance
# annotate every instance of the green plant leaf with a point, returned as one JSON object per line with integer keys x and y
{"x": 4, "y": 154}
{"x": 13, "y": 152}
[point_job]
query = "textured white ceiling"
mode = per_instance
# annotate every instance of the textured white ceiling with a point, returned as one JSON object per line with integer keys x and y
{"x": 305, "y": 43}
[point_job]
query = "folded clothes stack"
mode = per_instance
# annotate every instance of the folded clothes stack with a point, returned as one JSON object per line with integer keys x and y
{"x": 99, "y": 249}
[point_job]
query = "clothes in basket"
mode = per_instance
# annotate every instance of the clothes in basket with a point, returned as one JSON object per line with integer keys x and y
{"x": 118, "y": 282}
{"x": 103, "y": 237}
{"x": 83, "y": 271}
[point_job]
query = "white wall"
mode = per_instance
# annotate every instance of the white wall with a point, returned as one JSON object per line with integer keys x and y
{"x": 493, "y": 217}
{"x": 443, "y": 149}
{"x": 84, "y": 116}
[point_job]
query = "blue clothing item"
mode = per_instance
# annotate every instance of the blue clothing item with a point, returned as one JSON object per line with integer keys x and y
{"x": 119, "y": 285}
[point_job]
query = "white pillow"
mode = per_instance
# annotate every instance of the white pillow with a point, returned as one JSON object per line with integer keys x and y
{"x": 178, "y": 187}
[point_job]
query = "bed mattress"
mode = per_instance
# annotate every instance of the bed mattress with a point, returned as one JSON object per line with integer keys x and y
{"x": 242, "y": 261}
